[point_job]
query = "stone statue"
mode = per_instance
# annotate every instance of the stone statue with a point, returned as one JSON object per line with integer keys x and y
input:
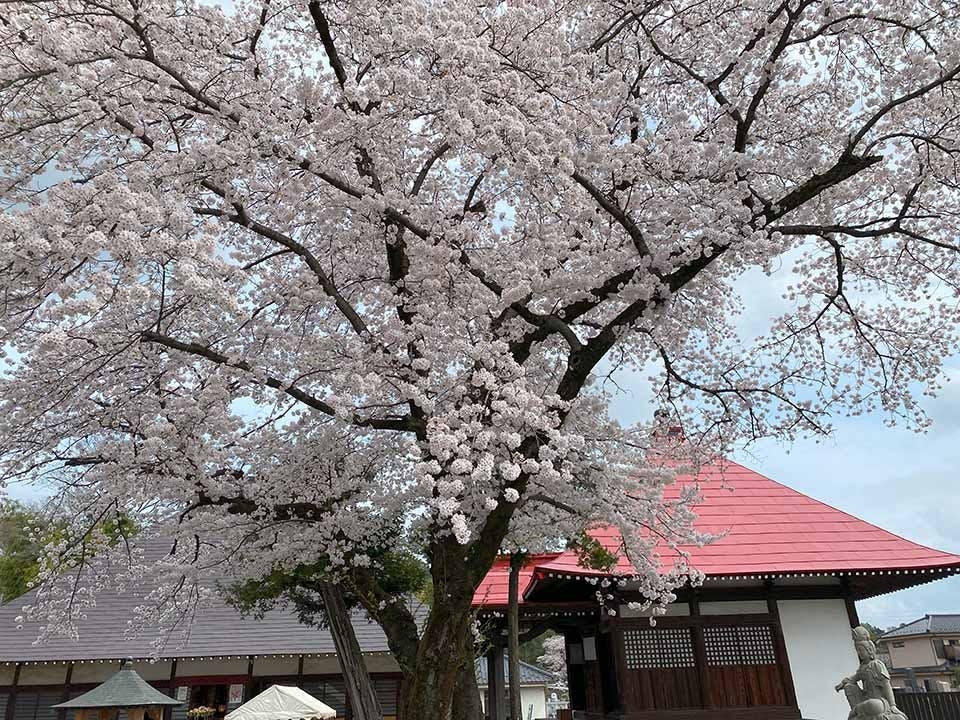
{"x": 868, "y": 690}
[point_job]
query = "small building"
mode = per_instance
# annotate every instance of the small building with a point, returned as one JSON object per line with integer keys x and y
{"x": 534, "y": 687}
{"x": 766, "y": 636}
{"x": 924, "y": 653}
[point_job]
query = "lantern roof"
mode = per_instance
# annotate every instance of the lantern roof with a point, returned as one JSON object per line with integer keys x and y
{"x": 125, "y": 689}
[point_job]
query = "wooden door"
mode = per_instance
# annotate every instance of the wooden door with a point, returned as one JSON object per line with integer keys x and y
{"x": 741, "y": 662}
{"x": 658, "y": 669}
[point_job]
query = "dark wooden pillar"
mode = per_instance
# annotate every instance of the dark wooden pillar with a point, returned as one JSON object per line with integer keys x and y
{"x": 65, "y": 695}
{"x": 851, "y": 604}
{"x": 171, "y": 689}
{"x": 496, "y": 705}
{"x": 300, "y": 672}
{"x": 700, "y": 655}
{"x": 576, "y": 672}
{"x": 248, "y": 688}
{"x": 12, "y": 697}
{"x": 781, "y": 647}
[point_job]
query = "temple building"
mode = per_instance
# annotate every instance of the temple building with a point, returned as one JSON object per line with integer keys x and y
{"x": 766, "y": 636}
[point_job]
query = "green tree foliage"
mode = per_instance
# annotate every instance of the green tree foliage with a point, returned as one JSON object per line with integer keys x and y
{"x": 874, "y": 631}
{"x": 531, "y": 650}
{"x": 592, "y": 554}
{"x": 19, "y": 550}
{"x": 25, "y": 530}
{"x": 397, "y": 573}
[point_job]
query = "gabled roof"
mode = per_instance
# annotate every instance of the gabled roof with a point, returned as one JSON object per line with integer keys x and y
{"x": 769, "y": 530}
{"x": 124, "y": 689}
{"x": 529, "y": 674}
{"x": 215, "y": 630}
{"x": 928, "y": 624}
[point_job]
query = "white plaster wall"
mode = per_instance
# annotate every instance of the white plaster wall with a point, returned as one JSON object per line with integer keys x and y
{"x": 674, "y": 609}
{"x": 535, "y": 696}
{"x": 321, "y": 666}
{"x": 203, "y": 668}
{"x": 821, "y": 653}
{"x": 916, "y": 652}
{"x": 275, "y": 666}
{"x": 736, "y": 607}
{"x": 53, "y": 674}
{"x": 152, "y": 671}
{"x": 93, "y": 672}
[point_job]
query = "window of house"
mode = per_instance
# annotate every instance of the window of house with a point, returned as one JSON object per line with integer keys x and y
{"x": 898, "y": 644}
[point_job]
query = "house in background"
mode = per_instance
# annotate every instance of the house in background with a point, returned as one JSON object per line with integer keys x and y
{"x": 534, "y": 687}
{"x": 926, "y": 651}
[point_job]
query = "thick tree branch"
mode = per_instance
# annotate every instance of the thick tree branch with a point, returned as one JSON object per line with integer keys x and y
{"x": 403, "y": 424}
{"x": 242, "y": 219}
{"x": 323, "y": 29}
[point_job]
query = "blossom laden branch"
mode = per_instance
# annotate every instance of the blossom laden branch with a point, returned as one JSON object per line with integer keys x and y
{"x": 401, "y": 424}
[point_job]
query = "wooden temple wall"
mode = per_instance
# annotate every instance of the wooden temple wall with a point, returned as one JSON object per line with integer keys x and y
{"x": 706, "y": 661}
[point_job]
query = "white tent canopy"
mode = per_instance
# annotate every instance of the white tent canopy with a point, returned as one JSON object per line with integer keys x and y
{"x": 280, "y": 702}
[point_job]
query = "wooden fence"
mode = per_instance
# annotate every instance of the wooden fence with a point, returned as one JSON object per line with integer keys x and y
{"x": 930, "y": 705}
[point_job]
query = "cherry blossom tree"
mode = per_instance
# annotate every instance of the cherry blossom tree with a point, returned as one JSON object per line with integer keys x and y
{"x": 554, "y": 657}
{"x": 290, "y": 280}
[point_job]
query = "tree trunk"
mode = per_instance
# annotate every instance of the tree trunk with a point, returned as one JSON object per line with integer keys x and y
{"x": 363, "y": 698}
{"x": 513, "y": 636}
{"x": 446, "y": 647}
{"x": 466, "y": 703}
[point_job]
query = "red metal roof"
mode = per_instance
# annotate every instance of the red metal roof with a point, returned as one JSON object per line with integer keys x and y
{"x": 770, "y": 529}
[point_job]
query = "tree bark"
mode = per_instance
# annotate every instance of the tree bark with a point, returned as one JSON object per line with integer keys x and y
{"x": 513, "y": 636}
{"x": 466, "y": 703}
{"x": 446, "y": 645}
{"x": 363, "y": 698}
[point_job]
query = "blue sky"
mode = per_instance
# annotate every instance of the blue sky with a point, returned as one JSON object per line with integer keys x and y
{"x": 896, "y": 478}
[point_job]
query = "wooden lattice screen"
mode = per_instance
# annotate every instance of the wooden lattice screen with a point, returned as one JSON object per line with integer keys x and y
{"x": 739, "y": 645}
{"x": 658, "y": 648}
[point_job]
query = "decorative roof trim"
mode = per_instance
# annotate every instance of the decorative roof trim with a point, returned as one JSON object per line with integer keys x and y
{"x": 109, "y": 661}
{"x": 594, "y": 579}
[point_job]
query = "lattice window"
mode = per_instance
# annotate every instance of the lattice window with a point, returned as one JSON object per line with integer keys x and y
{"x": 658, "y": 648}
{"x": 740, "y": 645}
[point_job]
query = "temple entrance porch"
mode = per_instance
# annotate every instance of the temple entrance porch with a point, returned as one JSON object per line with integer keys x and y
{"x": 718, "y": 655}
{"x": 688, "y": 666}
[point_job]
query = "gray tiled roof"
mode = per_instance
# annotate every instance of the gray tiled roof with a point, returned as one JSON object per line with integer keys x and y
{"x": 216, "y": 630}
{"x": 928, "y": 624}
{"x": 529, "y": 674}
{"x": 124, "y": 689}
